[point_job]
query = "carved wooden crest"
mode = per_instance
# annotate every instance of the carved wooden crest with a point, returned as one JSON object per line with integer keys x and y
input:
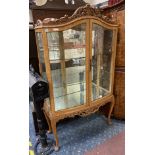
{"x": 86, "y": 10}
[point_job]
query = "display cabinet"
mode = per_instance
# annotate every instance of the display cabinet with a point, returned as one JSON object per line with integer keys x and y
{"x": 77, "y": 59}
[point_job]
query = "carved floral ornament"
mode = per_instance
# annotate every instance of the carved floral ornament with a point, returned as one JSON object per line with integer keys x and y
{"x": 82, "y": 113}
{"x": 86, "y": 10}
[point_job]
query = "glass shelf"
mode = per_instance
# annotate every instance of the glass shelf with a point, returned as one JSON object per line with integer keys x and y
{"x": 74, "y": 96}
{"x": 68, "y": 53}
{"x": 71, "y": 88}
{"x": 98, "y": 92}
{"x": 72, "y": 100}
{"x": 75, "y": 60}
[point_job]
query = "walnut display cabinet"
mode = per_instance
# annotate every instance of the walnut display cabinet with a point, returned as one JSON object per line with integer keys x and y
{"x": 77, "y": 59}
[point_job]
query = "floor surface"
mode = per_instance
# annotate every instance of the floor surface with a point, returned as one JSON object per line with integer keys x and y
{"x": 80, "y": 135}
{"x": 113, "y": 146}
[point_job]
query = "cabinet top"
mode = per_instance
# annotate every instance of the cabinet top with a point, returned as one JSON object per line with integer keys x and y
{"x": 82, "y": 12}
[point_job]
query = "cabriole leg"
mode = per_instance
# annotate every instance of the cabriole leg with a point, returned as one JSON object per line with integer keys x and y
{"x": 48, "y": 122}
{"x": 53, "y": 124}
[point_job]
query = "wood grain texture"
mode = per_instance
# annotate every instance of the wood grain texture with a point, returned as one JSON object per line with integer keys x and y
{"x": 119, "y": 92}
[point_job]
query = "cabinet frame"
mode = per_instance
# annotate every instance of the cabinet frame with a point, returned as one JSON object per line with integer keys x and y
{"x": 64, "y": 23}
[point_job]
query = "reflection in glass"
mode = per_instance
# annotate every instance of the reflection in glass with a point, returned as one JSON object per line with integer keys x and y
{"x": 67, "y": 62}
{"x": 101, "y": 61}
{"x": 41, "y": 54}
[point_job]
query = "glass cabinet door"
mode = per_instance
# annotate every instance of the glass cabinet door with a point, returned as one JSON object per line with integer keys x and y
{"x": 67, "y": 56}
{"x": 41, "y": 55}
{"x": 101, "y": 61}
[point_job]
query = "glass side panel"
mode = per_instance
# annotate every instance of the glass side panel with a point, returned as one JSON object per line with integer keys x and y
{"x": 101, "y": 61}
{"x": 41, "y": 54}
{"x": 68, "y": 65}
